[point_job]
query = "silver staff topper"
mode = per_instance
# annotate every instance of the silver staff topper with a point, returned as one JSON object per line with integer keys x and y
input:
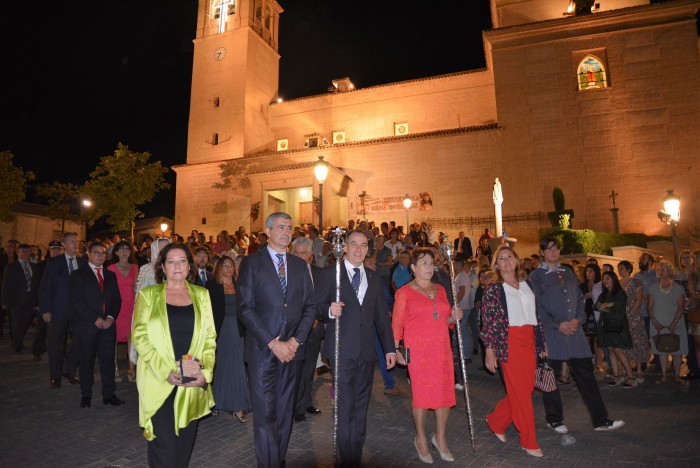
{"x": 338, "y": 251}
{"x": 450, "y": 258}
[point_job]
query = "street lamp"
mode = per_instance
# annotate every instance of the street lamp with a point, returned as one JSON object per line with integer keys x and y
{"x": 164, "y": 227}
{"x": 407, "y": 202}
{"x": 86, "y": 203}
{"x": 671, "y": 214}
{"x": 321, "y": 172}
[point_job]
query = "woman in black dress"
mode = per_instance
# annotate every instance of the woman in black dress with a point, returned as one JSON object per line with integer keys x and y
{"x": 613, "y": 329}
{"x": 231, "y": 390}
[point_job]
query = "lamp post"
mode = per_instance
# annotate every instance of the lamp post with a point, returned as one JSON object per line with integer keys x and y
{"x": 671, "y": 214}
{"x": 407, "y": 202}
{"x": 164, "y": 227}
{"x": 321, "y": 172}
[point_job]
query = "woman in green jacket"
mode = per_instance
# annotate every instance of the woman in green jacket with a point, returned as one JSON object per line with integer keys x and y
{"x": 173, "y": 323}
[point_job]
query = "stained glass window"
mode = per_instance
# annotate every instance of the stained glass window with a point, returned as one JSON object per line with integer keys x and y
{"x": 591, "y": 73}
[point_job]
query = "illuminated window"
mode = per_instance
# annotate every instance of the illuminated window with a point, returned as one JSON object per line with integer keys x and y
{"x": 591, "y": 73}
{"x": 221, "y": 10}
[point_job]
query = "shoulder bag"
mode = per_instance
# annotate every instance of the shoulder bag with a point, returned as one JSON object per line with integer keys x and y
{"x": 613, "y": 323}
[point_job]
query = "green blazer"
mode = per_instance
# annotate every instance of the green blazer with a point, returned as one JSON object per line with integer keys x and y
{"x": 151, "y": 338}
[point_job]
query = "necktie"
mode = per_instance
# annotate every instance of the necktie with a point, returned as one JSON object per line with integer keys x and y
{"x": 203, "y": 275}
{"x": 71, "y": 268}
{"x": 356, "y": 281}
{"x": 28, "y": 275}
{"x": 282, "y": 273}
{"x": 100, "y": 278}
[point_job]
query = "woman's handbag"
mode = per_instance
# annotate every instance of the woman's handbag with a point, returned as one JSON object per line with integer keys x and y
{"x": 613, "y": 323}
{"x": 405, "y": 352}
{"x": 694, "y": 313}
{"x": 667, "y": 342}
{"x": 545, "y": 380}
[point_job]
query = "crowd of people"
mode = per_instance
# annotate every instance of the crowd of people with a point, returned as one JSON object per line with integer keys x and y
{"x": 237, "y": 323}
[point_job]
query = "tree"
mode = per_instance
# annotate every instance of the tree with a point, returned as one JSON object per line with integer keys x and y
{"x": 63, "y": 201}
{"x": 13, "y": 181}
{"x": 121, "y": 184}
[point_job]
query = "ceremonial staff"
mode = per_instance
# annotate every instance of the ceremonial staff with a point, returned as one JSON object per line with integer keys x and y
{"x": 450, "y": 258}
{"x": 338, "y": 247}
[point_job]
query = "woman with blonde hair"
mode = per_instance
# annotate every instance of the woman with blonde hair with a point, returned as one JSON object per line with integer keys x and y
{"x": 512, "y": 338}
{"x": 665, "y": 304}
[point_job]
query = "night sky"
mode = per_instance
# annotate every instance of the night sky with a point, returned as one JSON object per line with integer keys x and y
{"x": 79, "y": 77}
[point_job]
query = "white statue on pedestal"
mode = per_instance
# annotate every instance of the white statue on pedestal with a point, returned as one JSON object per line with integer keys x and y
{"x": 497, "y": 201}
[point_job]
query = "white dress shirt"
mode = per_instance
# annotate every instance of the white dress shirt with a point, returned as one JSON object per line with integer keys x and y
{"x": 363, "y": 282}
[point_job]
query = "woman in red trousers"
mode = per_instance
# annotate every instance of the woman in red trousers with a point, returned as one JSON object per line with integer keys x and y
{"x": 512, "y": 338}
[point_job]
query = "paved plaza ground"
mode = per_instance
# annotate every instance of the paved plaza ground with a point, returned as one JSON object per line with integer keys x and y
{"x": 47, "y": 428}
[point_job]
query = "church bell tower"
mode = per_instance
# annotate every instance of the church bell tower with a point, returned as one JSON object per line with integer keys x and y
{"x": 234, "y": 78}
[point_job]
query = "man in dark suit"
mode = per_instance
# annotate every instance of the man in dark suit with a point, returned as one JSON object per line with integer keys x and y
{"x": 20, "y": 292}
{"x": 302, "y": 247}
{"x": 363, "y": 309}
{"x": 55, "y": 307}
{"x": 276, "y": 306}
{"x": 463, "y": 247}
{"x": 201, "y": 258}
{"x": 95, "y": 302}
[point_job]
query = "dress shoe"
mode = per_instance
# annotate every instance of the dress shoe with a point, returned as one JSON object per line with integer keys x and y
{"x": 322, "y": 370}
{"x": 113, "y": 400}
{"x": 424, "y": 458}
{"x": 299, "y": 418}
{"x": 396, "y": 391}
{"x": 501, "y": 437}
{"x": 85, "y": 402}
{"x": 446, "y": 456}
{"x": 313, "y": 410}
{"x": 73, "y": 380}
{"x": 55, "y": 383}
{"x": 534, "y": 452}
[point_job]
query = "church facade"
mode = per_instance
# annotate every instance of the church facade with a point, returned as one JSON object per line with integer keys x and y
{"x": 595, "y": 105}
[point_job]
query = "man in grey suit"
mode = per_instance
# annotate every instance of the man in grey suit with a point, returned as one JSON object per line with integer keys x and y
{"x": 276, "y": 306}
{"x": 302, "y": 248}
{"x": 363, "y": 308}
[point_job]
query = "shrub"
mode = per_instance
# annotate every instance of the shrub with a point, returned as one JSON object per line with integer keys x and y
{"x": 588, "y": 241}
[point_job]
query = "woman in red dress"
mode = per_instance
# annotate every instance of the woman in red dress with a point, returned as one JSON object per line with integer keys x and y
{"x": 422, "y": 318}
{"x": 127, "y": 270}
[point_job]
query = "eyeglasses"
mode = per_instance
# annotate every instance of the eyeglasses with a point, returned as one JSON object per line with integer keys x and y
{"x": 553, "y": 248}
{"x": 99, "y": 252}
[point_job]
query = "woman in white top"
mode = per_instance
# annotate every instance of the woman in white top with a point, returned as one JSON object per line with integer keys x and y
{"x": 513, "y": 338}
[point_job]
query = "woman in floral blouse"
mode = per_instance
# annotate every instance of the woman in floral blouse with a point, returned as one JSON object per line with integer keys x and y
{"x": 512, "y": 337}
